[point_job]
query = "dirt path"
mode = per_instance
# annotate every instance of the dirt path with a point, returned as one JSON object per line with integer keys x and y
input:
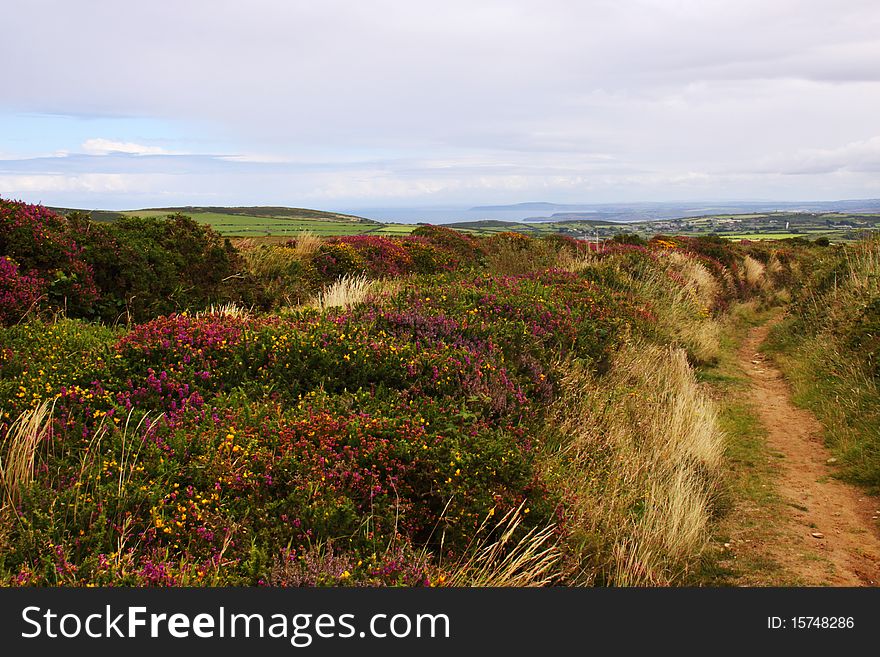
{"x": 826, "y": 533}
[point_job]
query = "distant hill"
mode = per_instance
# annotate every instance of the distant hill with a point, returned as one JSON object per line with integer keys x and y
{"x": 653, "y": 211}
{"x": 259, "y": 212}
{"x": 487, "y": 224}
{"x": 536, "y": 206}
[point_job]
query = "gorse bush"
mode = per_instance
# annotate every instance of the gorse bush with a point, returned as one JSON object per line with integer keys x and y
{"x": 465, "y": 249}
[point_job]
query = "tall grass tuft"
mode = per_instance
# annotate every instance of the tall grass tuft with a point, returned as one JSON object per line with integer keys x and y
{"x": 864, "y": 265}
{"x": 575, "y": 262}
{"x": 345, "y": 292}
{"x": 753, "y": 272}
{"x": 698, "y": 280}
{"x": 22, "y": 439}
{"x": 495, "y": 559}
{"x": 229, "y": 309}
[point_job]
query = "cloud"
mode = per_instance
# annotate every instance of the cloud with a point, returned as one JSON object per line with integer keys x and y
{"x": 99, "y": 146}
{"x": 104, "y": 183}
{"x": 854, "y": 157}
{"x": 344, "y": 100}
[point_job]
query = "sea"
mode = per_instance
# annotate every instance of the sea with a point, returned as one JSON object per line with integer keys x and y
{"x": 443, "y": 215}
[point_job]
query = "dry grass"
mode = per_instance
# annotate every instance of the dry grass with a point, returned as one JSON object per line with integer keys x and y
{"x": 275, "y": 260}
{"x": 280, "y": 267}
{"x": 345, "y": 292}
{"x": 508, "y": 259}
{"x": 575, "y": 262}
{"x": 500, "y": 562}
{"x": 774, "y": 266}
{"x": 859, "y": 286}
{"x": 641, "y": 458}
{"x": 753, "y": 272}
{"x": 305, "y": 244}
{"x": 701, "y": 339}
{"x": 228, "y": 309}
{"x": 388, "y": 287}
{"x": 703, "y": 285}
{"x": 269, "y": 261}
{"x": 684, "y": 312}
{"x": 22, "y": 439}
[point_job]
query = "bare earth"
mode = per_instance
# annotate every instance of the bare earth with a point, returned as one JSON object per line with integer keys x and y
{"x": 824, "y": 533}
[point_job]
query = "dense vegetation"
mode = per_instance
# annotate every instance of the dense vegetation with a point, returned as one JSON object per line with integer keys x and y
{"x": 431, "y": 409}
{"x": 830, "y": 347}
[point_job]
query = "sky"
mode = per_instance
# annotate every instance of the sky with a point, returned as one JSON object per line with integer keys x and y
{"x": 413, "y": 103}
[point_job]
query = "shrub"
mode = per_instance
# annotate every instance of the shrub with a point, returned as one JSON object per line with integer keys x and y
{"x": 428, "y": 258}
{"x": 18, "y": 293}
{"x": 47, "y": 257}
{"x": 334, "y": 260}
{"x": 629, "y": 238}
{"x": 150, "y": 266}
{"x": 466, "y": 249}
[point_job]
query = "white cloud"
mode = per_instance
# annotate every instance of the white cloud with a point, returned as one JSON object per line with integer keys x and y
{"x": 862, "y": 156}
{"x": 100, "y": 146}
{"x": 103, "y": 183}
{"x": 256, "y": 158}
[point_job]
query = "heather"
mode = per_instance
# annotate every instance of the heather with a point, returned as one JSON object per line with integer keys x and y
{"x": 41, "y": 262}
{"x": 478, "y": 408}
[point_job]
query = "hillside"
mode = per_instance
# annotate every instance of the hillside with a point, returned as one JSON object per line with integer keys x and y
{"x": 254, "y": 221}
{"x": 258, "y": 211}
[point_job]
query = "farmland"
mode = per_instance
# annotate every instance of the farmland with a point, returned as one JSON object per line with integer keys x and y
{"x": 779, "y": 225}
{"x": 248, "y": 225}
{"x": 262, "y": 221}
{"x": 278, "y": 223}
{"x": 431, "y": 409}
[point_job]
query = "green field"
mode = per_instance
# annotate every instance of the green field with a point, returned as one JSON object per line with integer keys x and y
{"x": 254, "y": 225}
{"x": 238, "y": 225}
{"x": 394, "y": 229}
{"x": 767, "y": 236}
{"x": 833, "y": 235}
{"x": 261, "y": 221}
